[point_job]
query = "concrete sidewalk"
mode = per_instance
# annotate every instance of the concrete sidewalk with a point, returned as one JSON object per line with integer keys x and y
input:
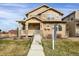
{"x": 36, "y": 49}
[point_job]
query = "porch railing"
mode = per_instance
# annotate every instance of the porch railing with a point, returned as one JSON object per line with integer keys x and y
{"x": 37, "y": 31}
{"x": 23, "y": 32}
{"x": 77, "y": 34}
{"x": 30, "y": 32}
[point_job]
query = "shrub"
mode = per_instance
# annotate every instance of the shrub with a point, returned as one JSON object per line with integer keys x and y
{"x": 49, "y": 36}
{"x": 58, "y": 35}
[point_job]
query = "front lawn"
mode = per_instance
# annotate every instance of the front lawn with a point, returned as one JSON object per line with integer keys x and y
{"x": 14, "y": 47}
{"x": 63, "y": 47}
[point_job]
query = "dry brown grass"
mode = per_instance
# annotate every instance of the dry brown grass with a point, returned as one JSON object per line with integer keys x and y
{"x": 63, "y": 47}
{"x": 14, "y": 48}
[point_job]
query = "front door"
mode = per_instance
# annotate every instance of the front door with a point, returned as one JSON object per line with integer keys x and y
{"x": 33, "y": 28}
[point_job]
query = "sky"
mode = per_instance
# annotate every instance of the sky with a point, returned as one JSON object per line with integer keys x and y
{"x": 12, "y": 12}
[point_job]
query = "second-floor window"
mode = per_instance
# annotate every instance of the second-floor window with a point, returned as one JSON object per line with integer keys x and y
{"x": 50, "y": 16}
{"x": 71, "y": 19}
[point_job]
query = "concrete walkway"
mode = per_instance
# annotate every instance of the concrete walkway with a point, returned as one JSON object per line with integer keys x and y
{"x": 36, "y": 49}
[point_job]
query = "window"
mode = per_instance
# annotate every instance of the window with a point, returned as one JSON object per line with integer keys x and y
{"x": 77, "y": 25}
{"x": 59, "y": 27}
{"x": 49, "y": 16}
{"x": 71, "y": 19}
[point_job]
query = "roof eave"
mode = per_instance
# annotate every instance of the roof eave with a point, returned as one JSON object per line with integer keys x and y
{"x": 54, "y": 21}
{"x": 68, "y": 15}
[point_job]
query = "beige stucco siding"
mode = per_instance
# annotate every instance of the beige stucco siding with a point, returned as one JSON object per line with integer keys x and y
{"x": 63, "y": 32}
{"x": 48, "y": 29}
{"x": 56, "y": 16}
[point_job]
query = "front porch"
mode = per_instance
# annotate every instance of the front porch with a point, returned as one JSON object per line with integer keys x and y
{"x": 32, "y": 28}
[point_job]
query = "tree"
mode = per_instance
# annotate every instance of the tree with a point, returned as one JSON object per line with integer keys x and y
{"x": 0, "y": 32}
{"x": 17, "y": 32}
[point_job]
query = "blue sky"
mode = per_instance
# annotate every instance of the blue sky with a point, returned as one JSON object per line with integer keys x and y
{"x": 10, "y": 13}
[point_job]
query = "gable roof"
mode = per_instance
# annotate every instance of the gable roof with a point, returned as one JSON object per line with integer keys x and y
{"x": 46, "y": 10}
{"x": 52, "y": 9}
{"x": 23, "y": 21}
{"x": 54, "y": 22}
{"x": 37, "y": 9}
{"x": 69, "y": 15}
{"x": 33, "y": 18}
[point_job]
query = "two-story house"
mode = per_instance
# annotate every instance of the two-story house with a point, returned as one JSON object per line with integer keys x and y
{"x": 41, "y": 20}
{"x": 72, "y": 23}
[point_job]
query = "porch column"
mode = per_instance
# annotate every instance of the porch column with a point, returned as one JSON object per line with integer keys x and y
{"x": 19, "y": 30}
{"x": 26, "y": 28}
{"x": 41, "y": 29}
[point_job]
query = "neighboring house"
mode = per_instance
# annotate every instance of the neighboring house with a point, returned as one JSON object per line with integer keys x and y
{"x": 12, "y": 33}
{"x": 41, "y": 20}
{"x": 72, "y": 23}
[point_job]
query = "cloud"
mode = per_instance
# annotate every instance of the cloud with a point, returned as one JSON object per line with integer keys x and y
{"x": 9, "y": 14}
{"x": 15, "y": 8}
{"x": 8, "y": 24}
{"x": 67, "y": 11}
{"x": 15, "y": 5}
